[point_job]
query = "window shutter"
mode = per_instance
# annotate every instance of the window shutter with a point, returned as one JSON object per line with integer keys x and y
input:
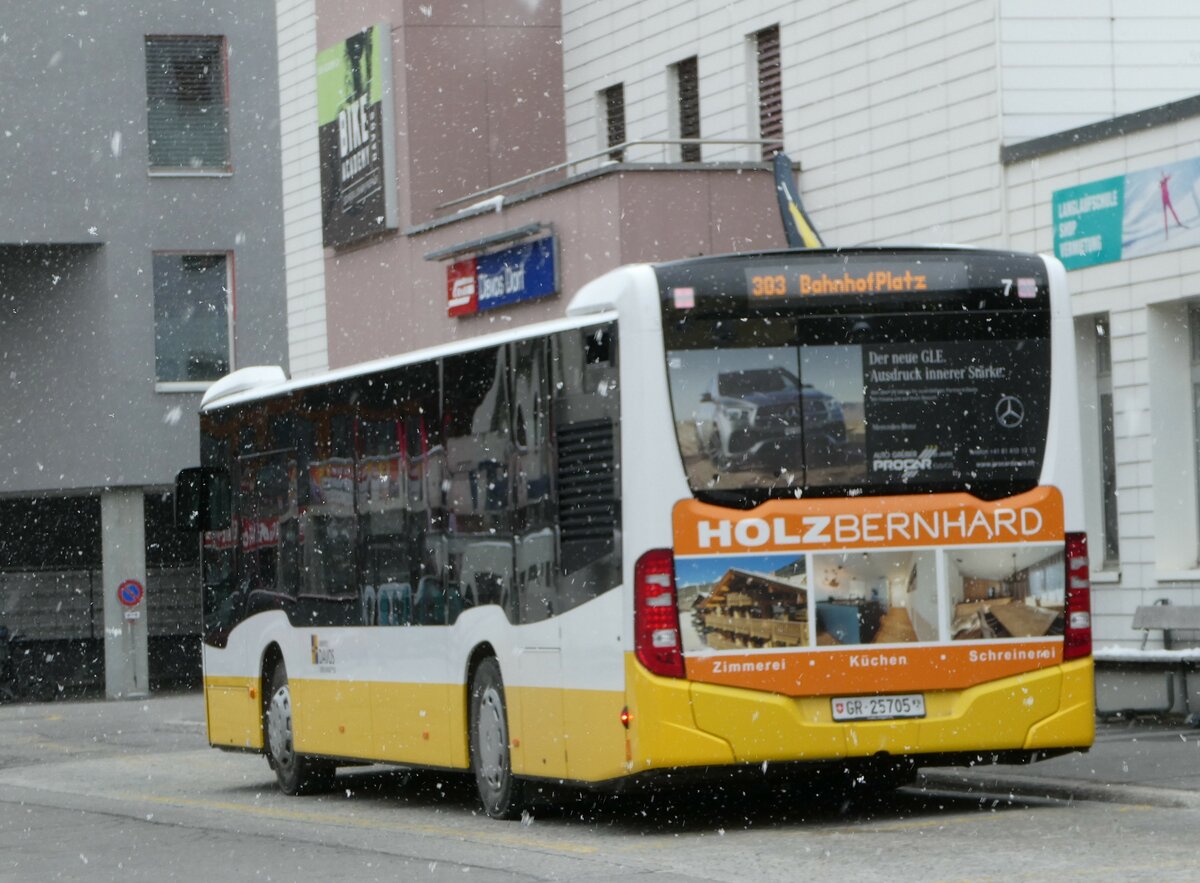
{"x": 186, "y": 107}
{"x": 770, "y": 91}
{"x": 689, "y": 107}
{"x": 614, "y": 110}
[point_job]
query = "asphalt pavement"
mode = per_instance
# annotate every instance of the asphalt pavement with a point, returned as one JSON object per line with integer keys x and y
{"x": 1146, "y": 760}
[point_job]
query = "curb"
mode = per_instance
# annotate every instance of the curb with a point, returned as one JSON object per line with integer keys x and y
{"x": 992, "y": 784}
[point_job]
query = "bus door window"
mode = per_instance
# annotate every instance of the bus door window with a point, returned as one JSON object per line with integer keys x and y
{"x": 586, "y": 412}
{"x": 535, "y": 548}
{"x": 476, "y": 420}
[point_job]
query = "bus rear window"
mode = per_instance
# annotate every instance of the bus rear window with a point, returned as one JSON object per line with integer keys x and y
{"x": 776, "y": 406}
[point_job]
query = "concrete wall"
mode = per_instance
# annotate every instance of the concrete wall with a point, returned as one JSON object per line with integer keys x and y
{"x": 82, "y": 217}
{"x": 79, "y": 407}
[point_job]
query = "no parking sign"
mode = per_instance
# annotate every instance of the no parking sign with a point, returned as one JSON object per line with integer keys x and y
{"x": 130, "y": 594}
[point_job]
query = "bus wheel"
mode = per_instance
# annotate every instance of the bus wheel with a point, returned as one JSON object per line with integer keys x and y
{"x": 499, "y": 790}
{"x": 296, "y": 773}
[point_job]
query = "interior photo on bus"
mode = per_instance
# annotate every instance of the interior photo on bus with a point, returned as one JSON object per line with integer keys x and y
{"x": 1006, "y": 592}
{"x": 875, "y": 597}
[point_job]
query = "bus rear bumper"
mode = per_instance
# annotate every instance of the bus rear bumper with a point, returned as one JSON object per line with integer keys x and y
{"x": 1013, "y": 720}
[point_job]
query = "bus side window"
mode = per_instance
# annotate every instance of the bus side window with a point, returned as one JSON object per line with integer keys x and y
{"x": 380, "y": 495}
{"x": 262, "y": 504}
{"x": 478, "y": 480}
{"x": 328, "y": 524}
{"x": 396, "y": 456}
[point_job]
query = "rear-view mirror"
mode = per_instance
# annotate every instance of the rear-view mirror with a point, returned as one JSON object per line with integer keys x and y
{"x": 202, "y": 499}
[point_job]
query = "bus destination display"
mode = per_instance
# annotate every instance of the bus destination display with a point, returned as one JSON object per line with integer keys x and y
{"x": 816, "y": 278}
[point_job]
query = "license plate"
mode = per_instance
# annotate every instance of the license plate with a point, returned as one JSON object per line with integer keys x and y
{"x": 877, "y": 708}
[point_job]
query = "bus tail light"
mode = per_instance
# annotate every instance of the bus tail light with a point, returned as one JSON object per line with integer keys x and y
{"x": 656, "y": 637}
{"x": 1077, "y": 631}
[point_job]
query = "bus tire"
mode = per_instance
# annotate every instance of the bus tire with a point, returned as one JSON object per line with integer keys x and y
{"x": 500, "y": 792}
{"x": 296, "y": 773}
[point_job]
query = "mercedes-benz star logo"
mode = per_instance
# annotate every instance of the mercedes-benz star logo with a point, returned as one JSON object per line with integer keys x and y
{"x": 1010, "y": 412}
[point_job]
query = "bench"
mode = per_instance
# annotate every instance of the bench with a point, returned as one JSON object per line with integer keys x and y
{"x": 1180, "y": 627}
{"x": 1170, "y": 619}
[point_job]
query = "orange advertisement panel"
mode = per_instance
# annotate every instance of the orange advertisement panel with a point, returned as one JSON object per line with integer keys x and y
{"x": 874, "y": 670}
{"x": 868, "y": 523}
{"x": 870, "y": 595}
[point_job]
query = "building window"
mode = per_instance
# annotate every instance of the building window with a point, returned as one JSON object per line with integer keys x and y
{"x": 187, "y": 103}
{"x": 613, "y": 99}
{"x": 687, "y": 102}
{"x": 770, "y": 91}
{"x": 1108, "y": 456}
{"x": 193, "y": 297}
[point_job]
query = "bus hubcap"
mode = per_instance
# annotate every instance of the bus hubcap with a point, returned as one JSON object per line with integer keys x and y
{"x": 492, "y": 738}
{"x": 279, "y": 727}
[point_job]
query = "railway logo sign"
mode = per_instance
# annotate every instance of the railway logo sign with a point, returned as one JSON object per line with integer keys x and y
{"x": 130, "y": 593}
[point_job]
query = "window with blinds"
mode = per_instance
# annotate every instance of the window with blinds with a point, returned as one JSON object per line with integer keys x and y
{"x": 687, "y": 85}
{"x": 614, "y": 117}
{"x": 187, "y": 109}
{"x": 770, "y": 91}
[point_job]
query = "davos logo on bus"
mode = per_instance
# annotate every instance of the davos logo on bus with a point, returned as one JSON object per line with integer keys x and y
{"x": 523, "y": 272}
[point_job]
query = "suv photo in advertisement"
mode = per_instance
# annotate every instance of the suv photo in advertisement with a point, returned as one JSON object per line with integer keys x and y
{"x": 754, "y": 409}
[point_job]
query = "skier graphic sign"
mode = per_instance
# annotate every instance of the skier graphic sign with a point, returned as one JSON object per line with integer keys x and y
{"x": 1141, "y": 213}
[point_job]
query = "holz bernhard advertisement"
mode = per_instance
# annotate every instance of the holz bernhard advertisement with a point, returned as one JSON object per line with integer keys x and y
{"x": 357, "y": 137}
{"x": 869, "y": 595}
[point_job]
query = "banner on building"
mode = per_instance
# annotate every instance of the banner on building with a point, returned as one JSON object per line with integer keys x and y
{"x": 482, "y": 283}
{"x": 356, "y": 129}
{"x": 1127, "y": 216}
{"x": 797, "y": 226}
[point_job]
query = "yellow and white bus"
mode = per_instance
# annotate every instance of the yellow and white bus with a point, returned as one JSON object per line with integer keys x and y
{"x": 731, "y": 512}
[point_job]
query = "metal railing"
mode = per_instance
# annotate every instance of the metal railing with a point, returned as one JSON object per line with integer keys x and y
{"x": 605, "y": 157}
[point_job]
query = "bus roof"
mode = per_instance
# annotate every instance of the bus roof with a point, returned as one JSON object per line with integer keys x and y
{"x": 818, "y": 253}
{"x": 267, "y": 381}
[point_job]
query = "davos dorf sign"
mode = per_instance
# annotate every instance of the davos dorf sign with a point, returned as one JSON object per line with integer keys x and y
{"x": 482, "y": 283}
